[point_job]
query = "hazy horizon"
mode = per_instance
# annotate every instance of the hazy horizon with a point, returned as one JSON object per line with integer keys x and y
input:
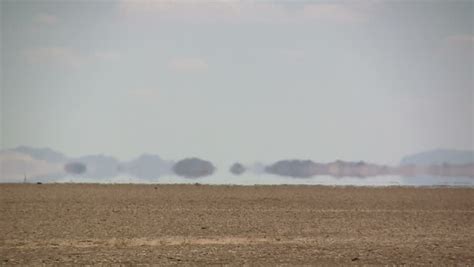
{"x": 238, "y": 80}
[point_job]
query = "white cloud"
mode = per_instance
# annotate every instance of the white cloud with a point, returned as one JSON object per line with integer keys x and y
{"x": 461, "y": 39}
{"x": 54, "y": 55}
{"x": 459, "y": 45}
{"x": 46, "y": 19}
{"x": 144, "y": 93}
{"x": 292, "y": 55}
{"x": 107, "y": 55}
{"x": 188, "y": 64}
{"x": 342, "y": 13}
{"x": 245, "y": 11}
{"x": 65, "y": 56}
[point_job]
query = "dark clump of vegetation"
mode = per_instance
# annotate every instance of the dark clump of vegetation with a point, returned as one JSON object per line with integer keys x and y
{"x": 294, "y": 168}
{"x": 75, "y": 168}
{"x": 237, "y": 168}
{"x": 193, "y": 168}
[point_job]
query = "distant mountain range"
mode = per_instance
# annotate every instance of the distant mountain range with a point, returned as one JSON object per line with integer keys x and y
{"x": 431, "y": 163}
{"x": 46, "y": 154}
{"x": 439, "y": 156}
{"x": 307, "y": 168}
{"x": 44, "y": 164}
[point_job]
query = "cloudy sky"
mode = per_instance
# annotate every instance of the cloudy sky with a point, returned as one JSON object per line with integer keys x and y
{"x": 238, "y": 80}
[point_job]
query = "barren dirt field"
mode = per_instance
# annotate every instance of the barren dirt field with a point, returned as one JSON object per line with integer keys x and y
{"x": 201, "y": 225}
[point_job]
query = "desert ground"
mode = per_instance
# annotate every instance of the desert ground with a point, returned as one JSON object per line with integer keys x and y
{"x": 202, "y": 225}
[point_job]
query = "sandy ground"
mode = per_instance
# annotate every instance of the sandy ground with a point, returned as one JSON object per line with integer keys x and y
{"x": 201, "y": 225}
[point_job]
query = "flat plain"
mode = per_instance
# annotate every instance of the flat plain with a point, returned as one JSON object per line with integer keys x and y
{"x": 262, "y": 225}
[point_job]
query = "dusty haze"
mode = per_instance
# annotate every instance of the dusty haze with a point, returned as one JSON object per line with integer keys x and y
{"x": 238, "y": 81}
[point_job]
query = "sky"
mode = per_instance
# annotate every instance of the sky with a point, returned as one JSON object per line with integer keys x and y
{"x": 238, "y": 80}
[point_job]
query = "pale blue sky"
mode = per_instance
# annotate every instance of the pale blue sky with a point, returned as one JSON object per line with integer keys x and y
{"x": 247, "y": 81}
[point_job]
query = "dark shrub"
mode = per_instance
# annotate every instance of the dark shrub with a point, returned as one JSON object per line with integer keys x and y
{"x": 75, "y": 168}
{"x": 237, "y": 168}
{"x": 193, "y": 168}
